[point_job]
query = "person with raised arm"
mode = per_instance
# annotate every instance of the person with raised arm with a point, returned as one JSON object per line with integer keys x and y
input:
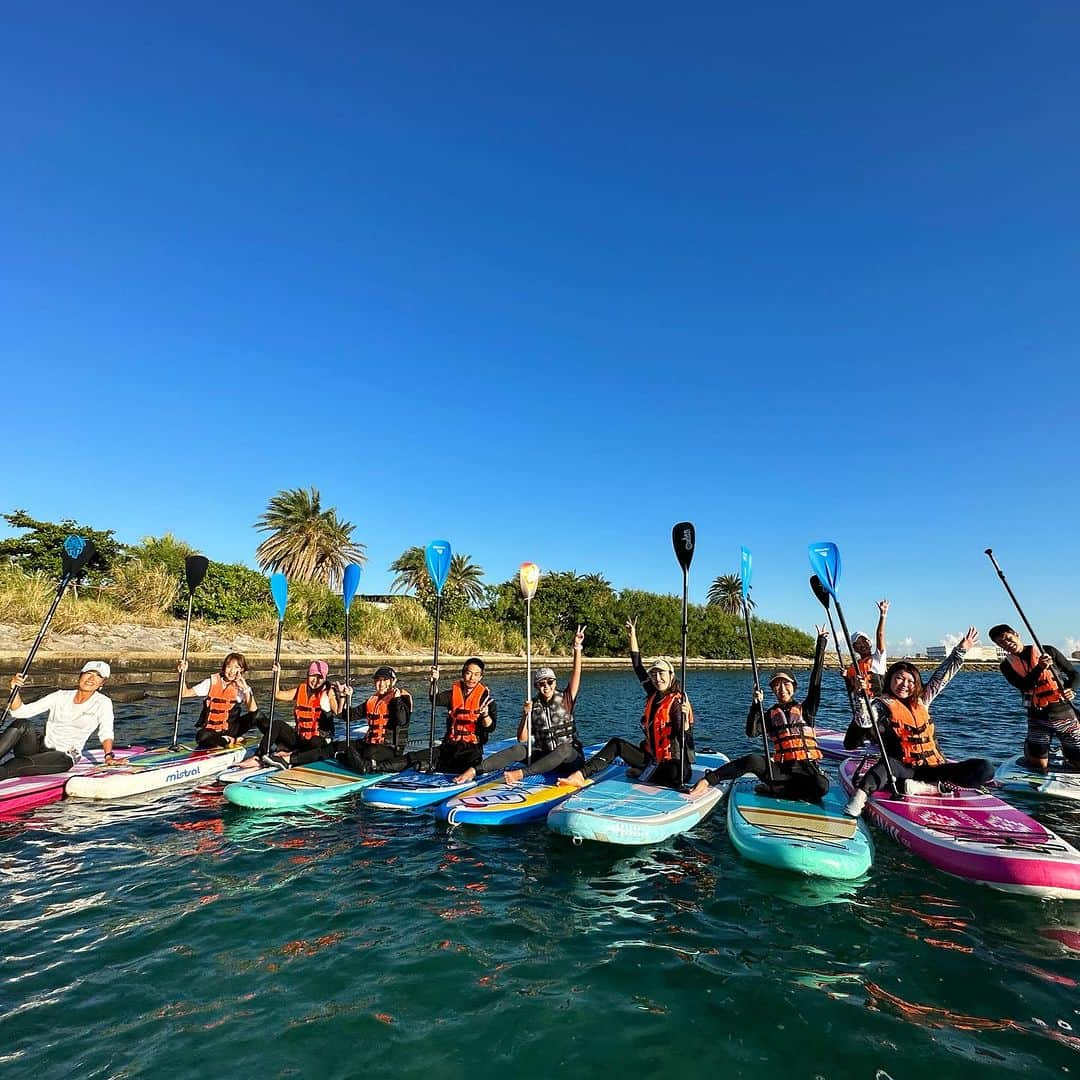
{"x": 315, "y": 703}
{"x": 229, "y": 709}
{"x": 869, "y": 669}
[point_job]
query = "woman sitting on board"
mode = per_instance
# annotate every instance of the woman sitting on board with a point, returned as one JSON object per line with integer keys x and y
{"x": 229, "y": 708}
{"x": 387, "y": 712}
{"x": 74, "y": 715}
{"x": 903, "y": 718}
{"x": 315, "y": 704}
{"x": 556, "y": 746}
{"x": 667, "y": 713}
{"x": 790, "y": 727}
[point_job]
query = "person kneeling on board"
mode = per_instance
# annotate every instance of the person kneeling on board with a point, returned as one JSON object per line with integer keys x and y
{"x": 790, "y": 727}
{"x": 387, "y": 712}
{"x": 556, "y": 746}
{"x": 73, "y": 716}
{"x": 229, "y": 709}
{"x": 903, "y": 718}
{"x": 1048, "y": 700}
{"x": 315, "y": 704}
{"x": 667, "y": 714}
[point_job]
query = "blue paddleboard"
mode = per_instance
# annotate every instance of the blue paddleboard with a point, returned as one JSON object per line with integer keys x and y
{"x": 304, "y": 785}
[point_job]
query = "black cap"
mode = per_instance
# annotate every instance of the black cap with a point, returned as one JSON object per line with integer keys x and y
{"x": 384, "y": 672}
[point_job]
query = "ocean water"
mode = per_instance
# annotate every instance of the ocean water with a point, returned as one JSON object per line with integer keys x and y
{"x": 179, "y": 936}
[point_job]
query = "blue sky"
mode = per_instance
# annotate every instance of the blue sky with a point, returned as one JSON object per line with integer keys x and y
{"x": 545, "y": 282}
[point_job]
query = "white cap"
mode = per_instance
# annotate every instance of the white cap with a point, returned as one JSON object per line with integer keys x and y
{"x": 98, "y": 667}
{"x": 860, "y": 634}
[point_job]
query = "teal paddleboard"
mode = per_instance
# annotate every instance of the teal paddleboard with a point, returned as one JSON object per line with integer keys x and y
{"x": 1059, "y": 781}
{"x": 305, "y": 785}
{"x": 620, "y": 810}
{"x": 807, "y": 838}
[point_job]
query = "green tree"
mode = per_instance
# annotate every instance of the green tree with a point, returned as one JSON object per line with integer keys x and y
{"x": 39, "y": 548}
{"x": 725, "y": 592}
{"x": 464, "y": 581}
{"x": 306, "y": 542}
{"x": 230, "y": 593}
{"x": 164, "y": 550}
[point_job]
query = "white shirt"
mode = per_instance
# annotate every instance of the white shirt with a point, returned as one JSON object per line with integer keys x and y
{"x": 878, "y": 666}
{"x": 69, "y": 725}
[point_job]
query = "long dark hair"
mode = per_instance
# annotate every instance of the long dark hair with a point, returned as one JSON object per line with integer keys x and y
{"x": 903, "y": 665}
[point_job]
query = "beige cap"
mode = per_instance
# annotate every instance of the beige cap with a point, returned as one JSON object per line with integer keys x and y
{"x": 782, "y": 675}
{"x": 661, "y": 664}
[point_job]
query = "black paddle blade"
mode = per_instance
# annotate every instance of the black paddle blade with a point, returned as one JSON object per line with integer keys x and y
{"x": 195, "y": 567}
{"x": 76, "y": 554}
{"x": 820, "y": 591}
{"x": 683, "y": 539}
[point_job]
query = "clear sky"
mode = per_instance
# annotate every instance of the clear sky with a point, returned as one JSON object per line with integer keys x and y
{"x": 544, "y": 282}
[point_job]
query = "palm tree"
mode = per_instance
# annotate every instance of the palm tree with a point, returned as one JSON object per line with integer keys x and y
{"x": 464, "y": 577}
{"x": 726, "y": 593}
{"x": 307, "y": 543}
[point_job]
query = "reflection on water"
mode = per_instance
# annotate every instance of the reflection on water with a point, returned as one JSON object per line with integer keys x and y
{"x": 160, "y": 930}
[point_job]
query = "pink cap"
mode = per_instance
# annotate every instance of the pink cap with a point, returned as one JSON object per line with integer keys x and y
{"x": 318, "y": 667}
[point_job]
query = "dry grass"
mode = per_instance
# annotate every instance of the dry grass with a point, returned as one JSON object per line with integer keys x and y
{"x": 144, "y": 590}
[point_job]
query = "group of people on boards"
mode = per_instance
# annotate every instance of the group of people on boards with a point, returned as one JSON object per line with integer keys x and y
{"x": 893, "y": 698}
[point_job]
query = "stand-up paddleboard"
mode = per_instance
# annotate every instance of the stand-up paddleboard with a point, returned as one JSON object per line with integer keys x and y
{"x": 415, "y": 789}
{"x": 498, "y": 803}
{"x": 1058, "y": 781}
{"x": 619, "y": 810}
{"x": 157, "y": 769}
{"x": 249, "y": 769}
{"x": 831, "y": 744}
{"x": 808, "y": 838}
{"x": 976, "y": 836}
{"x": 25, "y": 792}
{"x": 304, "y": 785}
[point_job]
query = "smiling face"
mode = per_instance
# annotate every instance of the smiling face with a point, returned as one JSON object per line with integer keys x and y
{"x": 862, "y": 646}
{"x": 383, "y": 685}
{"x": 471, "y": 676}
{"x": 903, "y": 684}
{"x": 662, "y": 679}
{"x": 783, "y": 689}
{"x": 232, "y": 670}
{"x": 89, "y": 681}
{"x": 546, "y": 689}
{"x": 1010, "y": 641}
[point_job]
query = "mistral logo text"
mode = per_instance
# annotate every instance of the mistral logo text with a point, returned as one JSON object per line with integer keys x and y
{"x": 182, "y": 774}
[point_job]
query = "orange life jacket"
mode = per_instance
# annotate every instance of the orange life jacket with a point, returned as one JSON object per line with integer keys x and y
{"x": 914, "y": 731}
{"x": 793, "y": 739}
{"x": 1045, "y": 692}
{"x": 377, "y": 710}
{"x": 863, "y": 675}
{"x": 307, "y": 710}
{"x": 463, "y": 719}
{"x": 658, "y": 725}
{"x": 218, "y": 705}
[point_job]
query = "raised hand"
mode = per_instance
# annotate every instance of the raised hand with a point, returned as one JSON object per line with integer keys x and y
{"x": 969, "y": 639}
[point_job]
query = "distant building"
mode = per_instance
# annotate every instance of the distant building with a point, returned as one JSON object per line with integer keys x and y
{"x": 976, "y": 652}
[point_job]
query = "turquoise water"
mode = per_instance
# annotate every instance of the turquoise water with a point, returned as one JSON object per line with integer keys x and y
{"x": 178, "y": 936}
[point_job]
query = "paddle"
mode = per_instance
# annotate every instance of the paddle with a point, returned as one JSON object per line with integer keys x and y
{"x": 683, "y": 538}
{"x": 1034, "y": 637}
{"x": 822, "y": 595}
{"x": 350, "y": 580}
{"x": 74, "y": 556}
{"x": 437, "y": 557}
{"x": 279, "y": 589}
{"x": 528, "y": 579}
{"x": 746, "y": 563}
{"x": 825, "y": 562}
{"x": 195, "y": 567}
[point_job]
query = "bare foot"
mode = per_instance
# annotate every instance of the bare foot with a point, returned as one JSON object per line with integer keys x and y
{"x": 575, "y": 779}
{"x": 698, "y": 789}
{"x": 466, "y": 776}
{"x": 513, "y": 776}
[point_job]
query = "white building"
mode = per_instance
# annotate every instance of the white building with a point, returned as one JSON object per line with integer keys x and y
{"x": 976, "y": 652}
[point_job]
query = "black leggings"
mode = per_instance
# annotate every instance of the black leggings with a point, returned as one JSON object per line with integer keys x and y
{"x": 970, "y": 773}
{"x": 209, "y": 740}
{"x": 799, "y": 780}
{"x": 666, "y": 774}
{"x": 304, "y": 751}
{"x": 563, "y": 760}
{"x": 31, "y": 756}
{"x": 450, "y": 757}
{"x": 364, "y": 757}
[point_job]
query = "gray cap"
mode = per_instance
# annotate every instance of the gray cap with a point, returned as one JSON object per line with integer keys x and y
{"x": 542, "y": 674}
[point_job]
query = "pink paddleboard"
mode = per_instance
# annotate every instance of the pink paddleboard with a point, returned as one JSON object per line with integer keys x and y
{"x": 25, "y": 792}
{"x": 831, "y": 744}
{"x": 978, "y": 837}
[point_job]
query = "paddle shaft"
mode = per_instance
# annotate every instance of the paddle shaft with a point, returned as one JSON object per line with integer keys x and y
{"x": 60, "y": 590}
{"x": 348, "y": 665}
{"x": 861, "y": 692}
{"x": 682, "y": 663}
{"x": 1034, "y": 637}
{"x": 277, "y": 686}
{"x": 435, "y": 681}
{"x": 528, "y": 671}
{"x": 757, "y": 687}
{"x": 183, "y": 674}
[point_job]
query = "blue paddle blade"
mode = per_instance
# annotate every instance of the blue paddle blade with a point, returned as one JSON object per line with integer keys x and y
{"x": 74, "y": 546}
{"x": 350, "y": 580}
{"x": 825, "y": 562}
{"x": 437, "y": 559}
{"x": 745, "y": 565}
{"x": 279, "y": 588}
